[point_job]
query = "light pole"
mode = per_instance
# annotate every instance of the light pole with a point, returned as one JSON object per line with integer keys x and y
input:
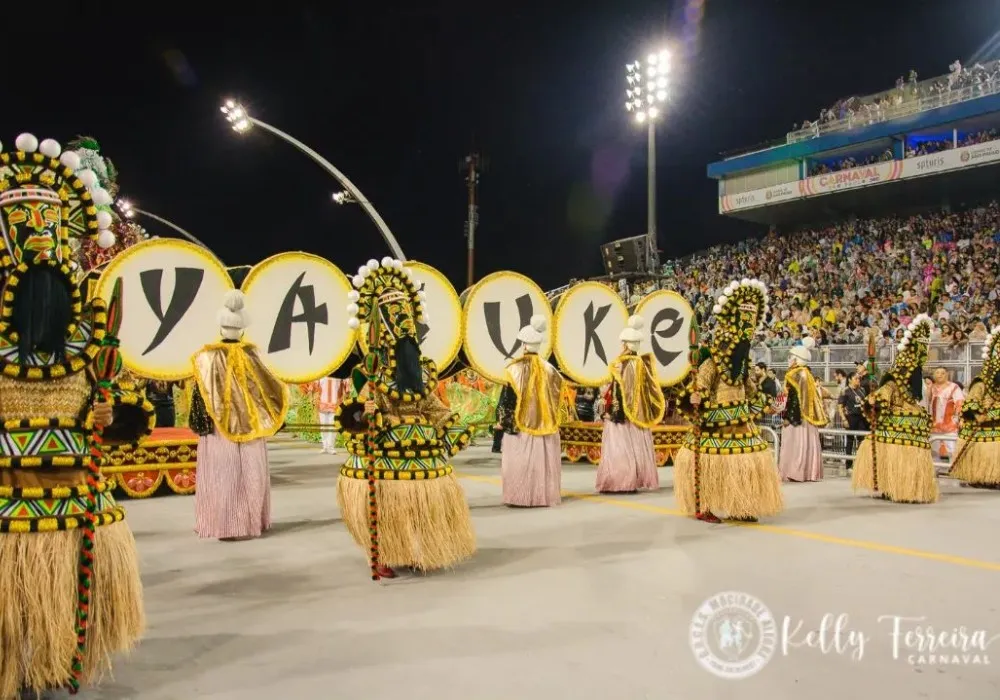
{"x": 646, "y": 91}
{"x": 129, "y": 211}
{"x": 241, "y": 121}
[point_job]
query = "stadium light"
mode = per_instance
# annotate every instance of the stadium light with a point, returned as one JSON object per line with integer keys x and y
{"x": 241, "y": 121}
{"x": 129, "y": 211}
{"x": 344, "y": 197}
{"x": 647, "y": 88}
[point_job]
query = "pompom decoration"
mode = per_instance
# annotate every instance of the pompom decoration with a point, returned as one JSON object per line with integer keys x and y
{"x": 352, "y": 309}
{"x": 71, "y": 160}
{"x": 353, "y": 322}
{"x": 386, "y": 261}
{"x": 716, "y": 309}
{"x": 373, "y": 264}
{"x": 538, "y": 322}
{"x": 353, "y": 295}
{"x": 50, "y": 148}
{"x": 357, "y": 281}
{"x": 635, "y": 322}
{"x": 398, "y": 264}
{"x": 234, "y": 300}
{"x": 27, "y": 143}
{"x": 88, "y": 177}
{"x": 105, "y": 239}
{"x": 104, "y": 219}
{"x": 101, "y": 197}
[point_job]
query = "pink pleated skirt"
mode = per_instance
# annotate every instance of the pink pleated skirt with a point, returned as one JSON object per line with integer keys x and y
{"x": 628, "y": 462}
{"x": 800, "y": 458}
{"x": 531, "y": 470}
{"x": 233, "y": 498}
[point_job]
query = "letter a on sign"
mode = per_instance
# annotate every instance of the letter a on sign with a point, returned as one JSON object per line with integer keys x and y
{"x": 173, "y": 291}
{"x": 494, "y": 310}
{"x": 297, "y": 303}
{"x": 589, "y": 317}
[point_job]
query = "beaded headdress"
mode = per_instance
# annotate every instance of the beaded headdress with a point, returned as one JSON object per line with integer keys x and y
{"x": 387, "y": 299}
{"x": 912, "y": 349}
{"x": 739, "y": 311}
{"x": 991, "y": 357}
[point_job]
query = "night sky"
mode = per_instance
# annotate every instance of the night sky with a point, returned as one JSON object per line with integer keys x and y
{"x": 396, "y": 97}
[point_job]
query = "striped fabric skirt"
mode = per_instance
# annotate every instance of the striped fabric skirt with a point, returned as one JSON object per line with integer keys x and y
{"x": 233, "y": 498}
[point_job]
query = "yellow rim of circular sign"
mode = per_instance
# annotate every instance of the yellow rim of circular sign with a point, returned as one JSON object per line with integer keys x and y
{"x": 456, "y": 304}
{"x": 666, "y": 293}
{"x": 341, "y": 356}
{"x": 470, "y": 294}
{"x": 564, "y": 297}
{"x": 110, "y": 273}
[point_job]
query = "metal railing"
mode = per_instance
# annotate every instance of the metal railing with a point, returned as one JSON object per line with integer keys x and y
{"x": 964, "y": 362}
{"x": 837, "y": 446}
{"x": 907, "y": 107}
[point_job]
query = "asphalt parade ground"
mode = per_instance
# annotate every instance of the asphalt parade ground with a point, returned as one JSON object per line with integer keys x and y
{"x": 603, "y": 597}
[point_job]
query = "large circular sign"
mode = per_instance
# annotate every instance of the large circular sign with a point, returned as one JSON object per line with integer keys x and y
{"x": 297, "y": 303}
{"x": 666, "y": 334}
{"x": 172, "y": 291}
{"x": 589, "y": 317}
{"x": 495, "y": 309}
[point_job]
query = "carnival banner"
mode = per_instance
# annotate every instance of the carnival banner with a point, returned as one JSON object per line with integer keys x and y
{"x": 297, "y": 303}
{"x": 494, "y": 310}
{"x": 588, "y": 319}
{"x": 172, "y": 293}
{"x": 759, "y": 197}
{"x": 667, "y": 334}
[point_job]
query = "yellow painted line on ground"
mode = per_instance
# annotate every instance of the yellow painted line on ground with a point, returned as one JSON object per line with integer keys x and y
{"x": 777, "y": 530}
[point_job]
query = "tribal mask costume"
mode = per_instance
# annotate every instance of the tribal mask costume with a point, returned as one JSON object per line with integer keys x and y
{"x": 895, "y": 460}
{"x": 58, "y": 519}
{"x": 399, "y": 453}
{"x": 977, "y": 456}
{"x": 725, "y": 464}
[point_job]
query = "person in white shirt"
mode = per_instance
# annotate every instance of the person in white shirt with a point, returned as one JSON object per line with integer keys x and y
{"x": 330, "y": 391}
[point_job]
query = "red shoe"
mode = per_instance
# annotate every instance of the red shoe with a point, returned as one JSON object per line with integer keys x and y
{"x": 707, "y": 518}
{"x": 384, "y": 571}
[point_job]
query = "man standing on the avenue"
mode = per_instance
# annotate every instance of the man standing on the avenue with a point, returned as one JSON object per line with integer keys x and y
{"x": 850, "y": 405}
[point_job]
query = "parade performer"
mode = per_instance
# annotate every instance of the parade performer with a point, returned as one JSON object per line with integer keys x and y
{"x": 628, "y": 461}
{"x": 330, "y": 390}
{"x": 977, "y": 455}
{"x": 895, "y": 460}
{"x": 944, "y": 401}
{"x": 70, "y": 593}
{"x": 397, "y": 493}
{"x": 238, "y": 404}
{"x": 801, "y": 451}
{"x": 725, "y": 465}
{"x": 531, "y": 464}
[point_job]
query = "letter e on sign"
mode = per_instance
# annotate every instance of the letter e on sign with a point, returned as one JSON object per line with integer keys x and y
{"x": 666, "y": 334}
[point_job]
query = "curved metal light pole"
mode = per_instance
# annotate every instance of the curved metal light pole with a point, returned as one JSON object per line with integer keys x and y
{"x": 242, "y": 122}
{"x": 129, "y": 211}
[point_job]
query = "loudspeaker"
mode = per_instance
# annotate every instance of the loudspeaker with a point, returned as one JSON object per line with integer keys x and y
{"x": 626, "y": 255}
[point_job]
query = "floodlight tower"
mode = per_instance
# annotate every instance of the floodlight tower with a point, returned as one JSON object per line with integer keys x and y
{"x": 646, "y": 92}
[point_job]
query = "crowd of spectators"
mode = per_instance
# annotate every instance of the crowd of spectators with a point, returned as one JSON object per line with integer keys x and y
{"x": 927, "y": 147}
{"x": 909, "y": 95}
{"x": 850, "y": 162}
{"x": 838, "y": 282}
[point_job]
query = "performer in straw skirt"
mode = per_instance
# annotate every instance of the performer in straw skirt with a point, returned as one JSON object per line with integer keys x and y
{"x": 237, "y": 406}
{"x": 628, "y": 462}
{"x": 977, "y": 455}
{"x": 399, "y": 432}
{"x": 895, "y": 460}
{"x": 70, "y": 593}
{"x": 725, "y": 465}
{"x": 801, "y": 450}
{"x": 531, "y": 465}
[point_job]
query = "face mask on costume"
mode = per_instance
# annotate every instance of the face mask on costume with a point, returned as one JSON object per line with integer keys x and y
{"x": 31, "y": 230}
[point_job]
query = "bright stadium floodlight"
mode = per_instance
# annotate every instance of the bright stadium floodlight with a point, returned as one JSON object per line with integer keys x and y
{"x": 241, "y": 121}
{"x": 646, "y": 92}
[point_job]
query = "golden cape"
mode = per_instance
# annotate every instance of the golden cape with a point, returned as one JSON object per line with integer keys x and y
{"x": 244, "y": 399}
{"x": 642, "y": 397}
{"x": 538, "y": 387}
{"x": 800, "y": 380}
